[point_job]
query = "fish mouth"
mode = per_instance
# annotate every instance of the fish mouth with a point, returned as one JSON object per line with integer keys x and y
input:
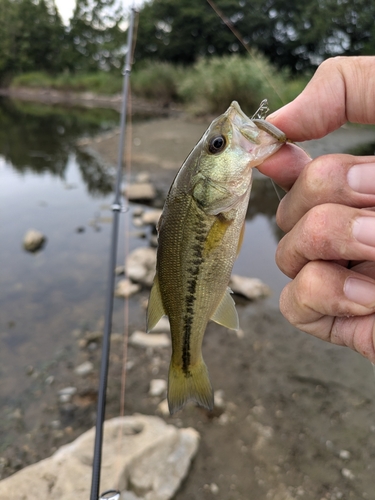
{"x": 244, "y": 126}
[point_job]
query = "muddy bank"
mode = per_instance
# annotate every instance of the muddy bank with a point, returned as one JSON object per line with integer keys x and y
{"x": 87, "y": 99}
{"x": 295, "y": 420}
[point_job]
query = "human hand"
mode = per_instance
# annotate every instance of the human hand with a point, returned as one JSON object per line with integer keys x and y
{"x": 329, "y": 248}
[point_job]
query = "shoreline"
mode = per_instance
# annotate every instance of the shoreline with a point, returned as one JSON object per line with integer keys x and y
{"x": 89, "y": 100}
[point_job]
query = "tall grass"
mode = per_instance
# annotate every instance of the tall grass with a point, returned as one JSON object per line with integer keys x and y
{"x": 213, "y": 83}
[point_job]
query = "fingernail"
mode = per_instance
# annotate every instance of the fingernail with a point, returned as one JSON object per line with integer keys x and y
{"x": 360, "y": 291}
{"x": 361, "y": 178}
{"x": 364, "y": 230}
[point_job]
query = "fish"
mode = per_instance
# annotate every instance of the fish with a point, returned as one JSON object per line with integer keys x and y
{"x": 200, "y": 233}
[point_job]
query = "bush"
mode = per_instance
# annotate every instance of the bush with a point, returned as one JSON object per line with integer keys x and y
{"x": 157, "y": 80}
{"x": 214, "y": 83}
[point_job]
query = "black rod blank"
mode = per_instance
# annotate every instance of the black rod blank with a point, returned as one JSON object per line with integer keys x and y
{"x": 116, "y": 208}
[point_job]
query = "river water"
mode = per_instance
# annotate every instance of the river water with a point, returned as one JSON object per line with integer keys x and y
{"x": 49, "y": 184}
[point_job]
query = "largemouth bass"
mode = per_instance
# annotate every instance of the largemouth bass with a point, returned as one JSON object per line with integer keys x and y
{"x": 199, "y": 236}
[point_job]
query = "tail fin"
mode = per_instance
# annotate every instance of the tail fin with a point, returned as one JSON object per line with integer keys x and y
{"x": 192, "y": 386}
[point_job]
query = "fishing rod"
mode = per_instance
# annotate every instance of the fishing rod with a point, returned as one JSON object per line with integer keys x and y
{"x": 117, "y": 208}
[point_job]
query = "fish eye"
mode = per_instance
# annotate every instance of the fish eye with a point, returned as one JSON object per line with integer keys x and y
{"x": 216, "y": 144}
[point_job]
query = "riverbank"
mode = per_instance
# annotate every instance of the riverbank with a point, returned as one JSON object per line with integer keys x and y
{"x": 87, "y": 99}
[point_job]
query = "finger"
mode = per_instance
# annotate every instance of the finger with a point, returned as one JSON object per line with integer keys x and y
{"x": 342, "y": 89}
{"x": 285, "y": 166}
{"x": 343, "y": 179}
{"x": 316, "y": 302}
{"x": 328, "y": 232}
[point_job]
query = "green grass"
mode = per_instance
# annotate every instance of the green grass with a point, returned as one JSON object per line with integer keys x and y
{"x": 100, "y": 82}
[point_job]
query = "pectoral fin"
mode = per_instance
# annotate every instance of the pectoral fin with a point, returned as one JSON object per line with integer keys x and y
{"x": 155, "y": 308}
{"x": 226, "y": 313}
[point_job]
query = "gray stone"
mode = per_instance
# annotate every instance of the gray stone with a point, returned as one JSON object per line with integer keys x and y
{"x": 126, "y": 288}
{"x": 157, "y": 387}
{"x": 251, "y": 288}
{"x": 142, "y": 456}
{"x": 140, "y": 265}
{"x": 143, "y": 339}
{"x": 84, "y": 369}
{"x": 142, "y": 191}
{"x": 151, "y": 217}
{"x": 33, "y": 240}
{"x": 66, "y": 394}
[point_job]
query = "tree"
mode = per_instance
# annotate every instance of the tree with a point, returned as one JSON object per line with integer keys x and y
{"x": 96, "y": 40}
{"x": 31, "y": 36}
{"x": 297, "y": 35}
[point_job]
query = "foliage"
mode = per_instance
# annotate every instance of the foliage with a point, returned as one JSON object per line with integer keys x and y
{"x": 214, "y": 83}
{"x": 157, "y": 80}
{"x": 297, "y": 35}
{"x": 100, "y": 82}
{"x": 33, "y": 37}
{"x": 95, "y": 38}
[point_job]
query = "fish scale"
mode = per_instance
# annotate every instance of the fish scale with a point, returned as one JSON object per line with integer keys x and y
{"x": 199, "y": 235}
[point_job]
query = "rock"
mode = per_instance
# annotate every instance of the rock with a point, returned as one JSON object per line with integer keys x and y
{"x": 33, "y": 240}
{"x": 347, "y": 473}
{"x": 163, "y": 408}
{"x": 140, "y": 265}
{"x": 251, "y": 288}
{"x": 126, "y": 288}
{"x": 149, "y": 463}
{"x": 142, "y": 191}
{"x": 345, "y": 454}
{"x": 90, "y": 337}
{"x": 143, "y": 339}
{"x": 143, "y": 177}
{"x": 66, "y": 394}
{"x": 84, "y": 369}
{"x": 157, "y": 387}
{"x": 219, "y": 399}
{"x": 137, "y": 211}
{"x": 119, "y": 270}
{"x": 162, "y": 325}
{"x": 151, "y": 217}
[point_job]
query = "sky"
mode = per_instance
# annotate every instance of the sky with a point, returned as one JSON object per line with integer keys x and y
{"x": 66, "y": 7}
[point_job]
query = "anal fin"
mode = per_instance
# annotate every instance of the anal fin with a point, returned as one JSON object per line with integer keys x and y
{"x": 155, "y": 308}
{"x": 226, "y": 313}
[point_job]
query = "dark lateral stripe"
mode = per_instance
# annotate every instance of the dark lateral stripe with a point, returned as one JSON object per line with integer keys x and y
{"x": 193, "y": 269}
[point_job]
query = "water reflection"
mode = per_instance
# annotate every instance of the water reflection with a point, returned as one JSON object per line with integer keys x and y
{"x": 264, "y": 201}
{"x": 41, "y": 138}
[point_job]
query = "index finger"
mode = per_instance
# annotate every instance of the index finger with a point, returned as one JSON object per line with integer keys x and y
{"x": 342, "y": 89}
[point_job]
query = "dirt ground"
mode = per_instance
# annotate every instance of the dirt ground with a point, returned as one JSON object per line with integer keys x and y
{"x": 296, "y": 416}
